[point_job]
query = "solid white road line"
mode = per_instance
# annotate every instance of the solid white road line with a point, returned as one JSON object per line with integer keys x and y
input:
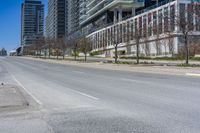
{"x": 29, "y": 93}
{"x": 193, "y": 74}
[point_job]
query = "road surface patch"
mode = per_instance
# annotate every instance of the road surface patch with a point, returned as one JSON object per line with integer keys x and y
{"x": 11, "y": 97}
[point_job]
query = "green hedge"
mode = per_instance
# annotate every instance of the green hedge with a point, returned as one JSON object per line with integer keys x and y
{"x": 195, "y": 58}
{"x": 131, "y": 58}
{"x": 96, "y": 53}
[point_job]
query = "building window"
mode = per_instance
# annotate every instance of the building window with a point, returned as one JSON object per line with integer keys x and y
{"x": 160, "y": 24}
{"x": 109, "y": 37}
{"x": 132, "y": 29}
{"x": 166, "y": 19}
{"x": 154, "y": 23}
{"x": 190, "y": 16}
{"x": 145, "y": 25}
{"x": 149, "y": 25}
{"x": 128, "y": 31}
{"x": 121, "y": 33}
{"x": 182, "y": 15}
{"x": 197, "y": 17}
{"x": 140, "y": 26}
{"x": 172, "y": 17}
{"x": 136, "y": 26}
{"x": 124, "y": 33}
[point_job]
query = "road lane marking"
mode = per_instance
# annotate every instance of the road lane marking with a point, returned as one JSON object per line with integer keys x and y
{"x": 79, "y": 72}
{"x": 131, "y": 80}
{"x": 193, "y": 74}
{"x": 21, "y": 64}
{"x": 29, "y": 93}
{"x": 84, "y": 94}
{"x": 26, "y": 66}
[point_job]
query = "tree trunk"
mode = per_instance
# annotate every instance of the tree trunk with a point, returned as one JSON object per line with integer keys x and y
{"x": 75, "y": 54}
{"x": 186, "y": 50}
{"x": 137, "y": 52}
{"x": 57, "y": 55}
{"x": 85, "y": 57}
{"x": 63, "y": 54}
{"x": 116, "y": 54}
{"x": 45, "y": 54}
{"x": 49, "y": 53}
{"x": 40, "y": 53}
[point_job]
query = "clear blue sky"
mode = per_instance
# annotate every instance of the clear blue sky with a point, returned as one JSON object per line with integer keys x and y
{"x": 10, "y": 16}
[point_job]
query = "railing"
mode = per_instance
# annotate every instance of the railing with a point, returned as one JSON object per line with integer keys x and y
{"x": 137, "y": 13}
{"x": 154, "y": 6}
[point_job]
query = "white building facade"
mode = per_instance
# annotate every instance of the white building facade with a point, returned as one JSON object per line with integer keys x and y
{"x": 157, "y": 30}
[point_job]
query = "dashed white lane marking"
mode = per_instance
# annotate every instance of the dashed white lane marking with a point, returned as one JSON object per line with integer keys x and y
{"x": 21, "y": 64}
{"x": 25, "y": 65}
{"x": 132, "y": 80}
{"x": 193, "y": 74}
{"x": 29, "y": 93}
{"x": 84, "y": 94}
{"x": 79, "y": 72}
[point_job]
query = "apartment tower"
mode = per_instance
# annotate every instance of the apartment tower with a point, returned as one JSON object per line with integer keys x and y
{"x": 32, "y": 21}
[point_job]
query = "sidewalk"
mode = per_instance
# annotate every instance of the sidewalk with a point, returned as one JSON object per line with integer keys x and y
{"x": 155, "y": 62}
{"x": 167, "y": 70}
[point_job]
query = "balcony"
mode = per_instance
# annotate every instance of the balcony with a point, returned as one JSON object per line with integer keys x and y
{"x": 95, "y": 9}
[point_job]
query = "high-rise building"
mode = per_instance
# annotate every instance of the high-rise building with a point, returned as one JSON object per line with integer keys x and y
{"x": 89, "y": 15}
{"x": 159, "y": 28}
{"x": 73, "y": 15}
{"x": 99, "y": 13}
{"x": 32, "y": 21}
{"x": 57, "y": 18}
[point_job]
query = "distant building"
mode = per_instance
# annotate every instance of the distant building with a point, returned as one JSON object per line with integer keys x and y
{"x": 73, "y": 15}
{"x": 32, "y": 21}
{"x": 57, "y": 18}
{"x": 3, "y": 52}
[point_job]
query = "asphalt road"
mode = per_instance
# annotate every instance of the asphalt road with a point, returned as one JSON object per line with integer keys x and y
{"x": 73, "y": 99}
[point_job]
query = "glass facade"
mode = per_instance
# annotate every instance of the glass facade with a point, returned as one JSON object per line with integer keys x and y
{"x": 32, "y": 21}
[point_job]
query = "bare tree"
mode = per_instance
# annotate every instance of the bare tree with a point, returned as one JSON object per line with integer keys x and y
{"x": 75, "y": 50}
{"x": 63, "y": 46}
{"x": 49, "y": 45}
{"x": 85, "y": 46}
{"x": 158, "y": 44}
{"x": 146, "y": 45}
{"x": 186, "y": 27}
{"x": 39, "y": 45}
{"x": 137, "y": 37}
{"x": 73, "y": 44}
{"x": 114, "y": 40}
{"x": 56, "y": 47}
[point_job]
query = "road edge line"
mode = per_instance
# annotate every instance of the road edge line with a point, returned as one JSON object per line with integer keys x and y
{"x": 29, "y": 93}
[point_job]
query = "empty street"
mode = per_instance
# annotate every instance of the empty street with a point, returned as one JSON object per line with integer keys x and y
{"x": 72, "y": 99}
